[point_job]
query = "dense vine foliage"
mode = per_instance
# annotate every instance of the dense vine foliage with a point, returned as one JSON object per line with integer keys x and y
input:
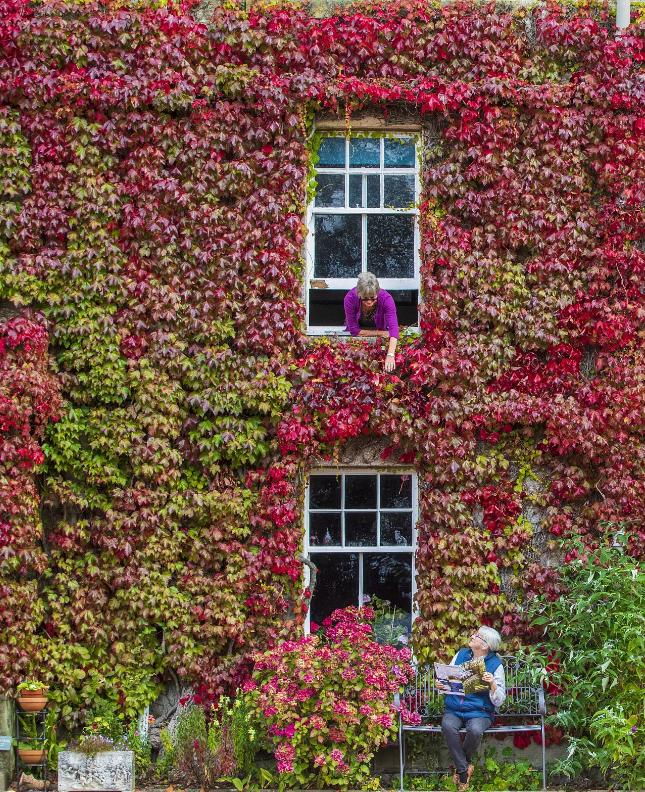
{"x": 153, "y": 182}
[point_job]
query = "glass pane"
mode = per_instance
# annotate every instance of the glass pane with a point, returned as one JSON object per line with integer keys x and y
{"x": 388, "y": 576}
{"x": 331, "y": 152}
{"x": 364, "y": 152}
{"x": 407, "y": 306}
{"x": 330, "y": 189}
{"x": 398, "y": 192}
{"x": 355, "y": 191}
{"x": 360, "y": 492}
{"x": 360, "y": 529}
{"x": 337, "y": 246}
{"x": 396, "y": 528}
{"x": 399, "y": 153}
{"x": 373, "y": 191}
{"x": 326, "y": 308}
{"x": 396, "y": 492}
{"x": 324, "y": 492}
{"x": 336, "y": 583}
{"x": 390, "y": 245}
{"x": 324, "y": 529}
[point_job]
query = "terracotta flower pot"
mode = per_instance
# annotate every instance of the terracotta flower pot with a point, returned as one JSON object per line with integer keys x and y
{"x": 32, "y": 700}
{"x": 31, "y": 756}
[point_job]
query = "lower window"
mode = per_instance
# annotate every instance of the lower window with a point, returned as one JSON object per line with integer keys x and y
{"x": 360, "y": 535}
{"x": 326, "y": 307}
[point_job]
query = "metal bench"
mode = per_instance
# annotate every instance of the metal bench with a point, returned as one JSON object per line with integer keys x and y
{"x": 524, "y": 701}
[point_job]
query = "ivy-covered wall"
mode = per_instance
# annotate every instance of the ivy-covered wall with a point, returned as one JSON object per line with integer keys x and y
{"x": 154, "y": 178}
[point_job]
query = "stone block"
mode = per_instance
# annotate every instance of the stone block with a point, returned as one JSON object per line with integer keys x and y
{"x": 106, "y": 770}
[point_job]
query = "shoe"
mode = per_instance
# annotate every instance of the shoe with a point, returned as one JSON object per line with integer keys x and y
{"x": 463, "y": 787}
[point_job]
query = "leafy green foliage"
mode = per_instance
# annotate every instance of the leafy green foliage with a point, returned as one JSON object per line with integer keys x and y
{"x": 595, "y": 635}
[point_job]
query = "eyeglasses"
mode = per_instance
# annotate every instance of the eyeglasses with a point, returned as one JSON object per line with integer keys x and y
{"x": 477, "y": 635}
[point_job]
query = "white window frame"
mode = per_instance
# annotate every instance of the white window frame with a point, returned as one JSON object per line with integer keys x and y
{"x": 346, "y": 284}
{"x": 361, "y": 549}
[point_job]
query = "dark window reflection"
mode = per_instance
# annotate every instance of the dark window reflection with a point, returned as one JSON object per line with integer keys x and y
{"x": 398, "y": 192}
{"x": 355, "y": 191}
{"x": 360, "y": 529}
{"x": 399, "y": 153}
{"x": 324, "y": 492}
{"x": 364, "y": 152}
{"x": 337, "y": 246}
{"x": 388, "y": 576}
{"x": 396, "y": 528}
{"x": 396, "y": 492}
{"x": 330, "y": 189}
{"x": 336, "y": 583}
{"x": 331, "y": 153}
{"x": 373, "y": 191}
{"x": 360, "y": 492}
{"x": 324, "y": 529}
{"x": 390, "y": 245}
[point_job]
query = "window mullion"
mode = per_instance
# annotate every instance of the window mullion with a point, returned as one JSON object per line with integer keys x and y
{"x": 378, "y": 510}
{"x": 342, "y": 510}
{"x": 360, "y": 579}
{"x": 364, "y": 243}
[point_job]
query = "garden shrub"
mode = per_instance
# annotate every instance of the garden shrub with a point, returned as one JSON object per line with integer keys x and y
{"x": 327, "y": 701}
{"x": 595, "y": 637}
{"x": 211, "y": 744}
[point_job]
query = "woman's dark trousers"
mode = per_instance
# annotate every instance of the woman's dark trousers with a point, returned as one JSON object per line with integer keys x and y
{"x": 462, "y": 755}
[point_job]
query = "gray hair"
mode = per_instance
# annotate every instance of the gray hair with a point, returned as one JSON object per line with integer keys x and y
{"x": 367, "y": 286}
{"x": 491, "y": 636}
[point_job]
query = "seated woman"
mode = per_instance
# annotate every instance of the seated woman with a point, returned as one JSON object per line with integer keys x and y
{"x": 474, "y": 711}
{"x": 370, "y": 311}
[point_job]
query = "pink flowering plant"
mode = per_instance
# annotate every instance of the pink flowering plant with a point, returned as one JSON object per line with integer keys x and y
{"x": 327, "y": 701}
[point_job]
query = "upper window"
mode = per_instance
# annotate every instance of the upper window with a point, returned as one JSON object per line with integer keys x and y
{"x": 360, "y": 534}
{"x": 363, "y": 219}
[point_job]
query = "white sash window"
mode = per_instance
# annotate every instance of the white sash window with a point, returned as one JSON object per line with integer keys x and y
{"x": 363, "y": 219}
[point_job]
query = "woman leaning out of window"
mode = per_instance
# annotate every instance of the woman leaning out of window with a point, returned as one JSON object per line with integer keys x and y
{"x": 370, "y": 312}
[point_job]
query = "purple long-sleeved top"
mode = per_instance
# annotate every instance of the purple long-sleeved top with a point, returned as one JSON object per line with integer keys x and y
{"x": 384, "y": 318}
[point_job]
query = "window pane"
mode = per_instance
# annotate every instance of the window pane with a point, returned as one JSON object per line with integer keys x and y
{"x": 330, "y": 189}
{"x": 360, "y": 492}
{"x": 326, "y": 308}
{"x": 364, "y": 152}
{"x": 390, "y": 246}
{"x": 337, "y": 246}
{"x": 407, "y": 306}
{"x": 398, "y": 191}
{"x": 360, "y": 529}
{"x": 355, "y": 191}
{"x": 331, "y": 152}
{"x": 396, "y": 528}
{"x": 399, "y": 153}
{"x": 373, "y": 191}
{"x": 396, "y": 492}
{"x": 324, "y": 529}
{"x": 324, "y": 492}
{"x": 388, "y": 576}
{"x": 336, "y": 583}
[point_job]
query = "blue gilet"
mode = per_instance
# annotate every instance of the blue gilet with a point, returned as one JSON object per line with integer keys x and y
{"x": 473, "y": 705}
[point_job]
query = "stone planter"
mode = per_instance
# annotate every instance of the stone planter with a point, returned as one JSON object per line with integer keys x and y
{"x": 106, "y": 770}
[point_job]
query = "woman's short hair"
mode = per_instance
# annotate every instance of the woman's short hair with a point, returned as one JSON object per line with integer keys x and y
{"x": 491, "y": 636}
{"x": 367, "y": 286}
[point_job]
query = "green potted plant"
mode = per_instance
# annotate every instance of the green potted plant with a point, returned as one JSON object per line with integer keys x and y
{"x": 31, "y": 746}
{"x": 32, "y": 695}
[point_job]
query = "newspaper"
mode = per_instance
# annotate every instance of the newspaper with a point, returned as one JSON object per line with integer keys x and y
{"x": 462, "y": 679}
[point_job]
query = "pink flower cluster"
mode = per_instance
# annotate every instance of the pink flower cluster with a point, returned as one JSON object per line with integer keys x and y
{"x": 335, "y": 688}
